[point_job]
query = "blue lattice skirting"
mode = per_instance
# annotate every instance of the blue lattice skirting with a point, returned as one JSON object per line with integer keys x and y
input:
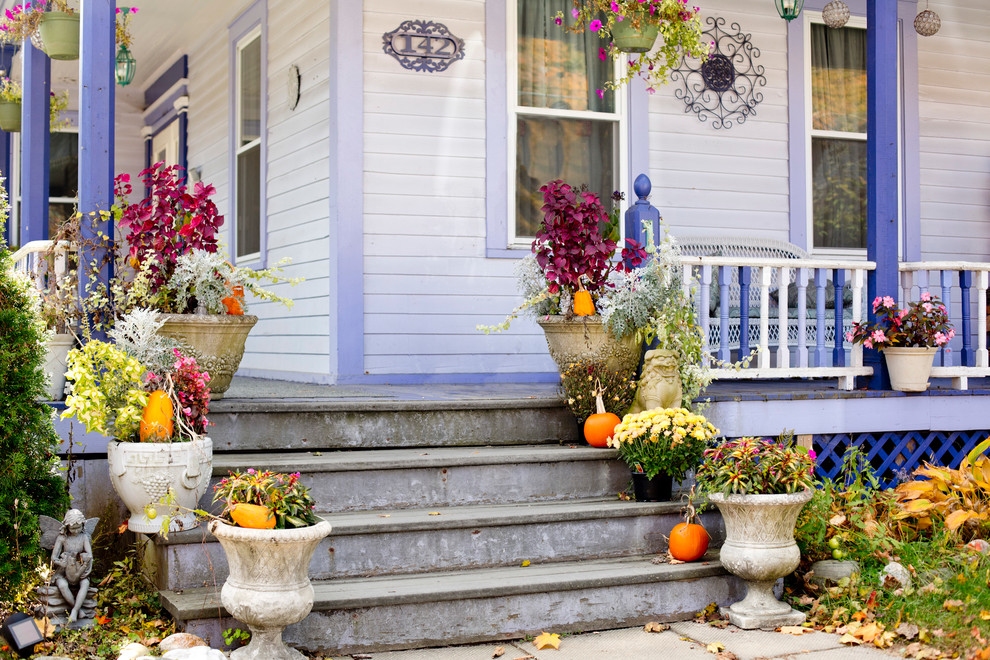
{"x": 894, "y": 456}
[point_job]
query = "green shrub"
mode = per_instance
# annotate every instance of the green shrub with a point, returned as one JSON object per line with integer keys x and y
{"x": 30, "y": 482}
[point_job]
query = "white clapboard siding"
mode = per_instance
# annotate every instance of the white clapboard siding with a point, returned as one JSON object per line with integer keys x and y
{"x": 954, "y": 92}
{"x": 728, "y": 181}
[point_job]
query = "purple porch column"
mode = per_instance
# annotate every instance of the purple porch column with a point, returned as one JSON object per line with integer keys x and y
{"x": 7, "y": 52}
{"x": 96, "y": 118}
{"x": 35, "y": 138}
{"x": 881, "y": 177}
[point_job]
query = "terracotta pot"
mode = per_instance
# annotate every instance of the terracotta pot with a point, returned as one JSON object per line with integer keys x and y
{"x": 629, "y": 39}
{"x": 252, "y": 516}
{"x": 584, "y": 338}
{"x": 759, "y": 547}
{"x": 268, "y": 586}
{"x": 215, "y": 340}
{"x": 144, "y": 472}
{"x": 909, "y": 367}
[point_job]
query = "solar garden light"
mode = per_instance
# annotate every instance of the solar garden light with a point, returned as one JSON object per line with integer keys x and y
{"x": 22, "y": 633}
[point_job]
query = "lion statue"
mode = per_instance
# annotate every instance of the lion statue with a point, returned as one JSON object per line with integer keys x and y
{"x": 660, "y": 383}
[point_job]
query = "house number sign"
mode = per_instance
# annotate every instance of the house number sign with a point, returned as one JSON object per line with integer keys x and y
{"x": 423, "y": 46}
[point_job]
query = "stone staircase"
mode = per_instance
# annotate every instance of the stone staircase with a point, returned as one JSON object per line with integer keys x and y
{"x": 453, "y": 521}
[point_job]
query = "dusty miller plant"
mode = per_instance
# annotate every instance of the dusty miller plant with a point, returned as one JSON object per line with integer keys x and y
{"x": 198, "y": 275}
{"x": 136, "y": 333}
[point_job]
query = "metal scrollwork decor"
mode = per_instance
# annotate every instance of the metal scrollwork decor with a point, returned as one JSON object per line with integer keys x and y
{"x": 723, "y": 87}
{"x": 423, "y": 46}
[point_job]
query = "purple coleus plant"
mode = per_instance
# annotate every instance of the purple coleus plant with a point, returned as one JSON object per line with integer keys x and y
{"x": 569, "y": 245}
{"x": 169, "y": 222}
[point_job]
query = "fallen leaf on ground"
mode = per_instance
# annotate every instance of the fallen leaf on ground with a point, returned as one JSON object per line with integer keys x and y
{"x": 674, "y": 561}
{"x": 907, "y": 630}
{"x": 715, "y": 647}
{"x": 985, "y": 615}
{"x": 434, "y": 513}
{"x": 525, "y": 657}
{"x": 525, "y": 563}
{"x": 726, "y": 655}
{"x": 499, "y": 652}
{"x": 805, "y": 600}
{"x": 794, "y": 630}
{"x": 837, "y": 519}
{"x": 384, "y": 515}
{"x": 952, "y": 605}
{"x": 546, "y": 640}
{"x": 655, "y": 627}
{"x": 849, "y": 639}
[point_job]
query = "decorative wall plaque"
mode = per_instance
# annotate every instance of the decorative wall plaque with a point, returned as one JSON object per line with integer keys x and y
{"x": 724, "y": 85}
{"x": 423, "y": 46}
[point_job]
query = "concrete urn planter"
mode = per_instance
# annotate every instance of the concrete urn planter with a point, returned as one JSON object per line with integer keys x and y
{"x": 585, "y": 338}
{"x": 215, "y": 340}
{"x": 56, "y": 364}
{"x": 143, "y": 473}
{"x": 759, "y": 547}
{"x": 268, "y": 585}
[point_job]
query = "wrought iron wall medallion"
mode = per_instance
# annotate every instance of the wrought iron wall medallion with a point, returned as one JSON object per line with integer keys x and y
{"x": 423, "y": 46}
{"x": 723, "y": 87}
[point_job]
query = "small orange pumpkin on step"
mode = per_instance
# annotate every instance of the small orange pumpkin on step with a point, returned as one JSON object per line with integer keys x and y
{"x": 689, "y": 540}
{"x": 598, "y": 428}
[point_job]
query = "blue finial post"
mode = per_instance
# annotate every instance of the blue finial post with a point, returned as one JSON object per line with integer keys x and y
{"x": 641, "y": 210}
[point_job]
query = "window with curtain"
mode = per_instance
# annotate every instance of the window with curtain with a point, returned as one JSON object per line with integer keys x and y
{"x": 63, "y": 181}
{"x": 563, "y": 128}
{"x": 838, "y": 136}
{"x": 248, "y": 147}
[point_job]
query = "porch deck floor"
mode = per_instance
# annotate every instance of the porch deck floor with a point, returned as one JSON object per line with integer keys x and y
{"x": 728, "y": 390}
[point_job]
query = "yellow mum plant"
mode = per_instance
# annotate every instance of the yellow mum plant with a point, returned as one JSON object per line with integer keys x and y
{"x": 663, "y": 440}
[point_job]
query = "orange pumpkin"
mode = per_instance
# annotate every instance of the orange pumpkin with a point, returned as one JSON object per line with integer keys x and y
{"x": 688, "y": 542}
{"x": 583, "y": 304}
{"x": 234, "y": 302}
{"x": 156, "y": 421}
{"x": 598, "y": 428}
{"x": 252, "y": 516}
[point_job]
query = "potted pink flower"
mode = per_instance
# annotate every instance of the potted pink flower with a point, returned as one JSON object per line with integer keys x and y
{"x": 908, "y": 338}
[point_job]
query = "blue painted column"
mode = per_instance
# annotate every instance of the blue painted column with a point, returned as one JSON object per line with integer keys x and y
{"x": 7, "y": 52}
{"x": 641, "y": 210}
{"x": 35, "y": 139}
{"x": 881, "y": 177}
{"x": 96, "y": 121}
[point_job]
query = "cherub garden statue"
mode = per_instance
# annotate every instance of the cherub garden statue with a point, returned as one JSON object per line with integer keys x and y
{"x": 70, "y": 600}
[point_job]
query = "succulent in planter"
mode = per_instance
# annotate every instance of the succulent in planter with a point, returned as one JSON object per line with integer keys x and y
{"x": 676, "y": 21}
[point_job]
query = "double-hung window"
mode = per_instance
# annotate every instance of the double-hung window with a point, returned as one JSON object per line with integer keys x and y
{"x": 563, "y": 123}
{"x": 63, "y": 181}
{"x": 249, "y": 106}
{"x": 838, "y": 136}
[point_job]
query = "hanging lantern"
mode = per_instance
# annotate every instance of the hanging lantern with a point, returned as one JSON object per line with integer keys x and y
{"x": 125, "y": 67}
{"x": 836, "y": 14}
{"x": 789, "y": 9}
{"x": 927, "y": 22}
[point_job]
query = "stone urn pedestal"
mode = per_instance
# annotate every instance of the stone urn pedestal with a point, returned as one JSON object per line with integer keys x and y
{"x": 585, "y": 338}
{"x": 759, "y": 547}
{"x": 268, "y": 586}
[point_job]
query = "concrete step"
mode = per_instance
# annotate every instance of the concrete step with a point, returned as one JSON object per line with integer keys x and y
{"x": 358, "y": 480}
{"x": 276, "y": 424}
{"x": 400, "y": 612}
{"x": 406, "y": 541}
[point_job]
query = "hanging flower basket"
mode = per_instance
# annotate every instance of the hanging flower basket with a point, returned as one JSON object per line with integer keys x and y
{"x": 10, "y": 116}
{"x": 630, "y": 39}
{"x": 60, "y": 34}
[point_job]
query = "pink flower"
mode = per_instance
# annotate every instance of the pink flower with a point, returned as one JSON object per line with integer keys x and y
{"x": 868, "y": 343}
{"x": 250, "y": 470}
{"x": 601, "y": 55}
{"x": 595, "y": 25}
{"x": 927, "y": 307}
{"x": 614, "y": 7}
{"x": 952, "y": 333}
{"x": 888, "y": 302}
{"x": 876, "y": 303}
{"x": 575, "y": 13}
{"x": 558, "y": 20}
{"x": 812, "y": 454}
{"x": 926, "y": 296}
{"x": 849, "y": 336}
{"x": 940, "y": 339}
{"x": 600, "y": 93}
{"x": 878, "y": 336}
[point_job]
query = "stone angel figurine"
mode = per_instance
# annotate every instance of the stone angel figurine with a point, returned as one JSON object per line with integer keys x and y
{"x": 70, "y": 599}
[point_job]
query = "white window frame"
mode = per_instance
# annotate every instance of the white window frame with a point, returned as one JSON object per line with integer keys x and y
{"x": 620, "y": 117}
{"x": 241, "y": 44}
{"x": 810, "y": 132}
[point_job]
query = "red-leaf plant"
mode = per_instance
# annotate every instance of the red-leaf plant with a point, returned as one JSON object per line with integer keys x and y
{"x": 169, "y": 222}
{"x": 569, "y": 245}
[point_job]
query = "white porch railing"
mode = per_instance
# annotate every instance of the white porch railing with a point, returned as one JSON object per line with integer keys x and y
{"x": 746, "y": 304}
{"x": 955, "y": 282}
{"x": 44, "y": 273}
